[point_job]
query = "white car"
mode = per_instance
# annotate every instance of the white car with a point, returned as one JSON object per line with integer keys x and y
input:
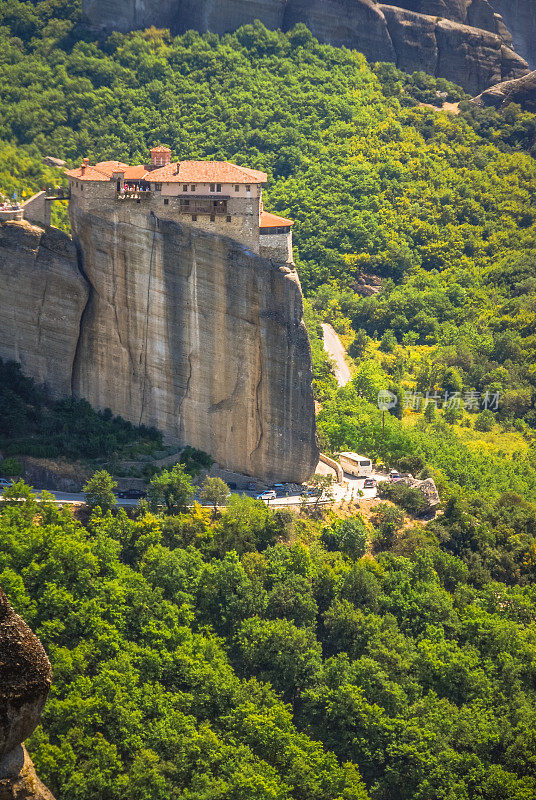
{"x": 269, "y": 495}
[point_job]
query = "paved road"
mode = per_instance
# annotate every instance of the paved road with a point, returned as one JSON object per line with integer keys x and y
{"x": 348, "y": 491}
{"x": 333, "y": 347}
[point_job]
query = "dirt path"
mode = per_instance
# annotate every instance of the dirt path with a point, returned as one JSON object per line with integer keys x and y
{"x": 334, "y": 348}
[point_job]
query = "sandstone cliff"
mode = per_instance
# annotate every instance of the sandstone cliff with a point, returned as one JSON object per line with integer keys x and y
{"x": 521, "y": 91}
{"x": 194, "y": 334}
{"x": 167, "y": 326}
{"x": 465, "y": 41}
{"x": 25, "y": 678}
{"x": 42, "y": 296}
{"x": 520, "y": 18}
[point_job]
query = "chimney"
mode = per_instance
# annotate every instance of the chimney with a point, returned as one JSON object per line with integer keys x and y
{"x": 85, "y": 163}
{"x": 160, "y": 156}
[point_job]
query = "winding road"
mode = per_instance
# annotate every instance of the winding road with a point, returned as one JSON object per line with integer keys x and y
{"x": 334, "y": 349}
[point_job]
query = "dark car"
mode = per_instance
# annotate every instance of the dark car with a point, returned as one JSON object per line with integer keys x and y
{"x": 311, "y": 493}
{"x": 131, "y": 494}
{"x": 370, "y": 483}
{"x": 279, "y": 489}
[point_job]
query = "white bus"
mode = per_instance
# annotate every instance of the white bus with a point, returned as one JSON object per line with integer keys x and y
{"x": 356, "y": 465}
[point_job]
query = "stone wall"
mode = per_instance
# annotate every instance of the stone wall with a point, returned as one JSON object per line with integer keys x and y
{"x": 37, "y": 209}
{"x": 277, "y": 246}
{"x": 243, "y": 210}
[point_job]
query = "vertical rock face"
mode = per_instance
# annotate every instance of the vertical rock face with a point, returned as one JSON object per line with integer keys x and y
{"x": 223, "y": 16}
{"x": 357, "y": 24}
{"x": 520, "y": 18}
{"x": 42, "y": 296}
{"x": 194, "y": 334}
{"x": 465, "y": 41}
{"x": 25, "y": 679}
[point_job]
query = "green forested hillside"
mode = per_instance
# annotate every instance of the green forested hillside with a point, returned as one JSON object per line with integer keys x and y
{"x": 265, "y": 657}
{"x": 260, "y": 657}
{"x": 441, "y": 206}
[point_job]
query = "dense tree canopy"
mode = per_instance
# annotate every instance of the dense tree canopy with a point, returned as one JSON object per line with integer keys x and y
{"x": 256, "y": 654}
{"x": 287, "y": 670}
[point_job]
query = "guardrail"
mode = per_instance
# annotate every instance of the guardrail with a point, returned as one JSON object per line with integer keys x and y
{"x": 330, "y": 462}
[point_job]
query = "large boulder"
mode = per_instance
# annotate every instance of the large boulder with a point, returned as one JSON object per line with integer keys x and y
{"x": 25, "y": 679}
{"x": 427, "y": 488}
{"x": 42, "y": 297}
{"x": 521, "y": 91}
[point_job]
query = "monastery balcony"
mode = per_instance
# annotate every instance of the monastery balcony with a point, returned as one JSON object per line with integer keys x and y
{"x": 135, "y": 194}
{"x": 203, "y": 205}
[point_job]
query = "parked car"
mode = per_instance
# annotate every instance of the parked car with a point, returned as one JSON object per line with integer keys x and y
{"x": 4, "y": 483}
{"x": 268, "y": 495}
{"x": 131, "y": 494}
{"x": 279, "y": 490}
{"x": 311, "y": 493}
{"x": 394, "y": 476}
{"x": 370, "y": 483}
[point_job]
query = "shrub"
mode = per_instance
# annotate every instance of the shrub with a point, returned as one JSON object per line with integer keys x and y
{"x": 99, "y": 491}
{"x": 349, "y": 536}
{"x": 485, "y": 421}
{"x": 11, "y": 468}
{"x": 407, "y": 497}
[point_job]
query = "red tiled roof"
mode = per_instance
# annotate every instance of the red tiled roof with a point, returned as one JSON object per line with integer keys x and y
{"x": 177, "y": 172}
{"x": 273, "y": 221}
{"x": 109, "y": 167}
{"x": 160, "y": 149}
{"x": 136, "y": 173}
{"x": 87, "y": 173}
{"x": 207, "y": 172}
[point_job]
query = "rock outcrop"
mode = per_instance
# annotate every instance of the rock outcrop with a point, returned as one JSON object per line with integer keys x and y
{"x": 521, "y": 91}
{"x": 42, "y": 296}
{"x": 466, "y": 41}
{"x": 193, "y": 333}
{"x": 520, "y": 19}
{"x": 427, "y": 488}
{"x": 166, "y": 326}
{"x": 25, "y": 679}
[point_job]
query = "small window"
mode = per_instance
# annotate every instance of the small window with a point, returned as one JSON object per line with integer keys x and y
{"x": 212, "y": 218}
{"x": 185, "y": 203}
{"x": 192, "y": 187}
{"x": 228, "y": 217}
{"x": 158, "y": 187}
{"x": 215, "y": 203}
{"x": 184, "y": 187}
{"x": 212, "y": 187}
{"x": 218, "y": 187}
{"x": 248, "y": 187}
{"x": 237, "y": 187}
{"x": 138, "y": 200}
{"x": 194, "y": 217}
{"x": 166, "y": 202}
